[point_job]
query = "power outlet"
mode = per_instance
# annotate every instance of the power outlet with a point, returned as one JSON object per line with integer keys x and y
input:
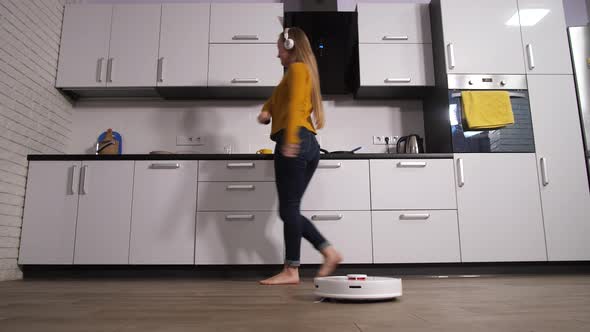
{"x": 190, "y": 140}
{"x": 380, "y": 140}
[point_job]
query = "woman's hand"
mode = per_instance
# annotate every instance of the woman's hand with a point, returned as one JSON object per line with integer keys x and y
{"x": 290, "y": 150}
{"x": 264, "y": 117}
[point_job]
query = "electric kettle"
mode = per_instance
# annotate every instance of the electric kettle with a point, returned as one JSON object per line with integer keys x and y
{"x": 410, "y": 144}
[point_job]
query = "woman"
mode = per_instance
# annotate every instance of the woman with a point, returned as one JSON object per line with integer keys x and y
{"x": 292, "y": 105}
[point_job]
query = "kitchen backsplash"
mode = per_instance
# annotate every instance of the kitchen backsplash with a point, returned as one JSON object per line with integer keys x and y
{"x": 231, "y": 124}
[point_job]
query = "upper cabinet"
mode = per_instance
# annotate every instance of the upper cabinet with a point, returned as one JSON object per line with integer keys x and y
{"x": 246, "y": 23}
{"x": 184, "y": 42}
{"x": 480, "y": 36}
{"x": 393, "y": 23}
{"x": 544, "y": 37}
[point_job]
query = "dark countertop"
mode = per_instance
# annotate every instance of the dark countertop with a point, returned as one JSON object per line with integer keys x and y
{"x": 67, "y": 157}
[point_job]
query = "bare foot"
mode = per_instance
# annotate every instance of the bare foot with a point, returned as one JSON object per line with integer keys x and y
{"x": 289, "y": 276}
{"x": 331, "y": 260}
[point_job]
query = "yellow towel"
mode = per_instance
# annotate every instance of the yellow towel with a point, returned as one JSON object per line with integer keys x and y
{"x": 487, "y": 109}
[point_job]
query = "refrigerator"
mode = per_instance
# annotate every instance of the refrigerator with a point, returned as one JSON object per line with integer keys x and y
{"x": 579, "y": 38}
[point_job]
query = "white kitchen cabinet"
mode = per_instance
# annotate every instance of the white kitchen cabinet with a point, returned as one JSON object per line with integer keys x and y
{"x": 396, "y": 65}
{"x": 236, "y": 170}
{"x": 243, "y": 237}
{"x": 163, "y": 213}
{"x": 104, "y": 212}
{"x": 133, "y": 50}
{"x": 49, "y": 219}
{"x": 184, "y": 41}
{"x": 244, "y": 65}
{"x": 246, "y": 23}
{"x": 348, "y": 231}
{"x": 237, "y": 196}
{"x": 482, "y": 37}
{"x": 84, "y": 46}
{"x": 402, "y": 184}
{"x": 427, "y": 236}
{"x": 338, "y": 185}
{"x": 393, "y": 23}
{"x": 499, "y": 208}
{"x": 562, "y": 169}
{"x": 544, "y": 37}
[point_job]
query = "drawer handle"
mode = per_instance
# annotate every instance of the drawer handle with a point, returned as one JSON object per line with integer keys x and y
{"x": 395, "y": 38}
{"x": 245, "y": 80}
{"x": 247, "y": 187}
{"x": 411, "y": 164}
{"x": 234, "y": 217}
{"x": 398, "y": 80}
{"x": 240, "y": 165}
{"x": 326, "y": 217}
{"x": 336, "y": 165}
{"x": 245, "y": 37}
{"x": 414, "y": 216}
{"x": 165, "y": 166}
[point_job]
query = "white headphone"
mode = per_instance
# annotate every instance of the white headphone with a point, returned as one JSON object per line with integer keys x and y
{"x": 289, "y": 43}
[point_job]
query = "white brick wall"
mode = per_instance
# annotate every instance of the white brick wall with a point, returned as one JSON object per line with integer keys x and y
{"x": 34, "y": 116}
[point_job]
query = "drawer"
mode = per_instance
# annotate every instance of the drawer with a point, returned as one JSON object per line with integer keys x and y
{"x": 348, "y": 231}
{"x": 244, "y": 65}
{"x": 244, "y": 237}
{"x": 394, "y": 23}
{"x": 414, "y": 184}
{"x": 246, "y": 23}
{"x": 236, "y": 170}
{"x": 426, "y": 236}
{"x": 237, "y": 196}
{"x": 339, "y": 185}
{"x": 396, "y": 65}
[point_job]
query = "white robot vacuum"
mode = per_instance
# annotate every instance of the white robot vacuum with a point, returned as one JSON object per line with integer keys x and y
{"x": 358, "y": 287}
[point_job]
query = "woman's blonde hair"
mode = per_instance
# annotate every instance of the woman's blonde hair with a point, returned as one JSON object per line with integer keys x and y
{"x": 302, "y": 52}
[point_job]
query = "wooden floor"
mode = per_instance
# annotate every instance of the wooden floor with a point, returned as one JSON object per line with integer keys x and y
{"x": 523, "y": 303}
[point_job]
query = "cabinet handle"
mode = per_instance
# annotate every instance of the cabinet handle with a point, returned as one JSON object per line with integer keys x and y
{"x": 326, "y": 217}
{"x": 160, "y": 70}
{"x": 110, "y": 70}
{"x": 165, "y": 166}
{"x": 411, "y": 164}
{"x": 248, "y": 187}
{"x": 233, "y": 217}
{"x": 395, "y": 38}
{"x": 240, "y": 165}
{"x": 461, "y": 174}
{"x": 245, "y": 37}
{"x": 398, "y": 80}
{"x": 83, "y": 190}
{"x": 99, "y": 70}
{"x": 414, "y": 216}
{"x": 336, "y": 165}
{"x": 73, "y": 188}
{"x": 245, "y": 80}
{"x": 530, "y": 55}
{"x": 451, "y": 51}
{"x": 544, "y": 176}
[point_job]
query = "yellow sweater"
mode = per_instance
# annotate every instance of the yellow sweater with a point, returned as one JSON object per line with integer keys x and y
{"x": 290, "y": 104}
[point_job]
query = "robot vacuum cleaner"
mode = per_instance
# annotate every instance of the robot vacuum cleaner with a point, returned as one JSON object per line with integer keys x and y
{"x": 358, "y": 287}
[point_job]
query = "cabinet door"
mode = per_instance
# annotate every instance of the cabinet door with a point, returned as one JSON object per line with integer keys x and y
{"x": 104, "y": 212}
{"x": 244, "y": 65}
{"x": 395, "y": 65}
{"x": 163, "y": 213}
{"x": 244, "y": 237}
{"x": 499, "y": 208}
{"x": 562, "y": 168}
{"x": 49, "y": 220}
{"x": 544, "y": 37}
{"x": 246, "y": 23}
{"x": 482, "y": 37}
{"x": 84, "y": 46}
{"x": 393, "y": 23}
{"x": 184, "y": 43}
{"x": 133, "y": 51}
